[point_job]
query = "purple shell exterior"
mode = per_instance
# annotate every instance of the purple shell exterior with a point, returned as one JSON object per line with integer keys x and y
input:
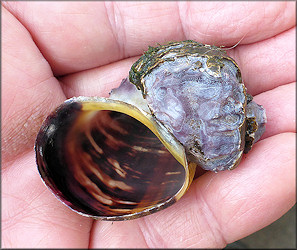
{"x": 197, "y": 92}
{"x": 202, "y": 111}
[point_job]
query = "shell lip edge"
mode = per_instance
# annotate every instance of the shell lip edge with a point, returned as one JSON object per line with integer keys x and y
{"x": 158, "y": 131}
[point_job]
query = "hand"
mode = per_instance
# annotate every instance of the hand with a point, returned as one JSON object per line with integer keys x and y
{"x": 56, "y": 50}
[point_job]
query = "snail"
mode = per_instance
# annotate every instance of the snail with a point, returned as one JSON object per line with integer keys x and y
{"x": 183, "y": 106}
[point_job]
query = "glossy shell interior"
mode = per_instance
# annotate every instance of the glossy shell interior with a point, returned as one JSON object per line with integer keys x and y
{"x": 106, "y": 164}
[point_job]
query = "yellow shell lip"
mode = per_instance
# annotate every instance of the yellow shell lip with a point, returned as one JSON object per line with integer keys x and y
{"x": 90, "y": 107}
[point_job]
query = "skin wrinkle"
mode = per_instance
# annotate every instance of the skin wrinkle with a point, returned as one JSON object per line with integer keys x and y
{"x": 240, "y": 213}
{"x": 196, "y": 235}
{"x": 103, "y": 233}
{"x": 188, "y": 18}
{"x": 9, "y": 112}
{"x": 278, "y": 13}
{"x": 9, "y": 222}
{"x": 91, "y": 230}
{"x": 26, "y": 208}
{"x": 222, "y": 198}
{"x": 150, "y": 238}
{"x": 243, "y": 20}
{"x": 9, "y": 148}
{"x": 143, "y": 235}
{"x": 251, "y": 20}
{"x": 211, "y": 220}
{"x": 194, "y": 241}
{"x": 6, "y": 114}
{"x": 192, "y": 223}
{"x": 110, "y": 12}
{"x": 38, "y": 214}
{"x": 244, "y": 202}
{"x": 62, "y": 224}
{"x": 51, "y": 224}
{"x": 11, "y": 7}
{"x": 24, "y": 71}
{"x": 180, "y": 20}
{"x": 207, "y": 30}
{"x": 8, "y": 242}
{"x": 43, "y": 239}
{"x": 191, "y": 218}
{"x": 22, "y": 218}
{"x": 67, "y": 88}
{"x": 183, "y": 8}
{"x": 118, "y": 237}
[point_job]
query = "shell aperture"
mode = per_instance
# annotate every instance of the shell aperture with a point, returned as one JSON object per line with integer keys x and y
{"x": 104, "y": 163}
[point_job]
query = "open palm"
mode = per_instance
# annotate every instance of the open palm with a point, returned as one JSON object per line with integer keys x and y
{"x": 55, "y": 50}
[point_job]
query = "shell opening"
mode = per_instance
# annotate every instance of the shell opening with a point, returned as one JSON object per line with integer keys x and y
{"x": 107, "y": 164}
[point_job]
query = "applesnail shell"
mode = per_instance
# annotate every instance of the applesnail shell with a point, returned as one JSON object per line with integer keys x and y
{"x": 136, "y": 152}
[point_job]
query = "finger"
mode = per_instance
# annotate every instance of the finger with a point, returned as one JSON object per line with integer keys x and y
{"x": 104, "y": 40}
{"x": 279, "y": 103}
{"x": 114, "y": 30}
{"x": 32, "y": 217}
{"x": 218, "y": 208}
{"x": 29, "y": 89}
{"x": 260, "y": 192}
{"x": 269, "y": 63}
{"x": 98, "y": 81}
{"x": 226, "y": 23}
{"x": 264, "y": 66}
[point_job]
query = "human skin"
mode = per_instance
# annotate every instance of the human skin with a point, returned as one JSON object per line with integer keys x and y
{"x": 55, "y": 50}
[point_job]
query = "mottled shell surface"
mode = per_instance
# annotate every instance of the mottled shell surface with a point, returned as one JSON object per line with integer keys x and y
{"x": 197, "y": 92}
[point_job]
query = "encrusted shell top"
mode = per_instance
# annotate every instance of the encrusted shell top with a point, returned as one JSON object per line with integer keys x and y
{"x": 196, "y": 91}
